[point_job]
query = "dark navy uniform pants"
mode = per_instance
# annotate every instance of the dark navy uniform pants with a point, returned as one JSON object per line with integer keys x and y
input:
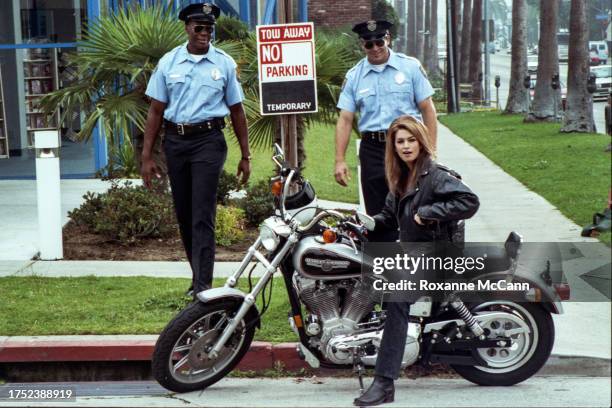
{"x": 194, "y": 166}
{"x": 374, "y": 183}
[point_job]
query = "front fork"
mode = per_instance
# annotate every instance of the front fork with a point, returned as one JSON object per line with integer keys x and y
{"x": 249, "y": 299}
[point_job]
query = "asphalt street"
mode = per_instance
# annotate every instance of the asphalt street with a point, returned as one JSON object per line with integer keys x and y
{"x": 552, "y": 391}
{"x": 500, "y": 65}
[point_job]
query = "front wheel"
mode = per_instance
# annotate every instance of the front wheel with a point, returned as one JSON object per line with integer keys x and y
{"x": 180, "y": 360}
{"x": 528, "y": 353}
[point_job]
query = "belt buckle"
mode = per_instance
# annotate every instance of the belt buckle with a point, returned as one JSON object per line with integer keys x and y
{"x": 180, "y": 129}
{"x": 381, "y": 136}
{"x": 209, "y": 125}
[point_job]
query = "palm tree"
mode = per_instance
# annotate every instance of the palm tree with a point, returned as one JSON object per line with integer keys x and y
{"x": 431, "y": 44}
{"x": 411, "y": 40}
{"x": 545, "y": 97}
{"x": 579, "y": 112}
{"x": 420, "y": 23}
{"x": 518, "y": 98}
{"x": 466, "y": 27}
{"x": 476, "y": 50}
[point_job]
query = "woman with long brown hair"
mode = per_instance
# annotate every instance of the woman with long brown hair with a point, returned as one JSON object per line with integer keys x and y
{"x": 424, "y": 199}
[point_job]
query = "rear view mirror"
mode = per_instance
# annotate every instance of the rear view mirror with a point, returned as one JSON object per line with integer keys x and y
{"x": 366, "y": 220}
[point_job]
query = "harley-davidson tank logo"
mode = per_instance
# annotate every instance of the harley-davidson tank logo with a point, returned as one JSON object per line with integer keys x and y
{"x": 326, "y": 264}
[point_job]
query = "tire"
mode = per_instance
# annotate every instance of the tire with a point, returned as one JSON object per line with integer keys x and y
{"x": 176, "y": 345}
{"x": 538, "y": 350}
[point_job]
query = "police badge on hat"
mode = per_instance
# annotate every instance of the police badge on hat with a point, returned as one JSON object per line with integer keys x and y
{"x": 371, "y": 25}
{"x": 206, "y": 8}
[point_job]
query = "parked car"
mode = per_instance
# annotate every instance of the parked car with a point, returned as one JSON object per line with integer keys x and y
{"x": 603, "y": 79}
{"x": 601, "y": 47}
{"x": 532, "y": 64}
{"x": 532, "y": 86}
{"x": 593, "y": 57}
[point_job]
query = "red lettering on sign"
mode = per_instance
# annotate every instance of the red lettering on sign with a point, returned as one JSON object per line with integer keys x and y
{"x": 283, "y": 33}
{"x": 271, "y": 53}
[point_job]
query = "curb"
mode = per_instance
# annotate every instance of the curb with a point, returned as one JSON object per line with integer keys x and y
{"x": 21, "y": 349}
{"x": 260, "y": 357}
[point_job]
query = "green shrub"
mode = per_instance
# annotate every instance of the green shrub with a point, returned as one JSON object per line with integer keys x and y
{"x": 132, "y": 212}
{"x": 258, "y": 203}
{"x": 229, "y": 226}
{"x": 227, "y": 182}
{"x": 86, "y": 214}
{"x": 128, "y": 213}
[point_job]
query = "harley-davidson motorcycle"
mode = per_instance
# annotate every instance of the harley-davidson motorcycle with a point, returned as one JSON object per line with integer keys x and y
{"x": 338, "y": 317}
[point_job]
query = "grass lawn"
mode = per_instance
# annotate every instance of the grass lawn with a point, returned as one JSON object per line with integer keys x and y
{"x": 113, "y": 305}
{"x": 319, "y": 167}
{"x": 571, "y": 171}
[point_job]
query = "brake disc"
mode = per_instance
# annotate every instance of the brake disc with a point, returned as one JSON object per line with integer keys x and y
{"x": 198, "y": 355}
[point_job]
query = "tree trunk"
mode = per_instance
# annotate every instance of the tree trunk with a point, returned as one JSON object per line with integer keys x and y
{"x": 475, "y": 74}
{"x": 431, "y": 60}
{"x": 545, "y": 97}
{"x": 427, "y": 51}
{"x": 411, "y": 40}
{"x": 579, "y": 113}
{"x": 464, "y": 68}
{"x": 518, "y": 98}
{"x": 420, "y": 31}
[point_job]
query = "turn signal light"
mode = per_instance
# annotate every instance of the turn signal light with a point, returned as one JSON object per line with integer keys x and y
{"x": 277, "y": 188}
{"x": 329, "y": 236}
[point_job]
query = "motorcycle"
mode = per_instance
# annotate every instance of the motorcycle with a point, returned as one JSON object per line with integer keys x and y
{"x": 335, "y": 315}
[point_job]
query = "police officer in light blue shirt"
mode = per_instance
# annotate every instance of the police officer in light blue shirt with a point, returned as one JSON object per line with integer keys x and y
{"x": 192, "y": 89}
{"x": 380, "y": 88}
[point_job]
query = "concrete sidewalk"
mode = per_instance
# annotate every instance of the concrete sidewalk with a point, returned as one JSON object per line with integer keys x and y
{"x": 506, "y": 205}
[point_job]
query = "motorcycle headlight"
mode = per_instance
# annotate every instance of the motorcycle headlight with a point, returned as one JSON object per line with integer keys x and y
{"x": 269, "y": 238}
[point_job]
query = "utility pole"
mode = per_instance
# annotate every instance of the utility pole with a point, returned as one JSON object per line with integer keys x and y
{"x": 288, "y": 123}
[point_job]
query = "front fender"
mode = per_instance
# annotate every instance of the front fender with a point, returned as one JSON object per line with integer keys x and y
{"x": 214, "y": 294}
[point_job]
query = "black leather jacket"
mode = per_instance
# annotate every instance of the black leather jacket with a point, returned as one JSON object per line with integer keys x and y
{"x": 439, "y": 198}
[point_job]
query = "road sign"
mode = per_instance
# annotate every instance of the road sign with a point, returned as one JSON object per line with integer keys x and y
{"x": 287, "y": 72}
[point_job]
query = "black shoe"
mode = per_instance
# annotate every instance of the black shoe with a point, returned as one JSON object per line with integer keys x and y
{"x": 381, "y": 391}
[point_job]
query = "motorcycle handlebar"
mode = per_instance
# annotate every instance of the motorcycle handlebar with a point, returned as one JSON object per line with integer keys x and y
{"x": 319, "y": 217}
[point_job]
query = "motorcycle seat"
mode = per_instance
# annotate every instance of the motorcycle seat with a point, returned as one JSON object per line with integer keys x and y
{"x": 495, "y": 258}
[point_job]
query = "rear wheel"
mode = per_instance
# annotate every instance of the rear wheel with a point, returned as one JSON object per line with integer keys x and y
{"x": 180, "y": 360}
{"x": 528, "y": 353}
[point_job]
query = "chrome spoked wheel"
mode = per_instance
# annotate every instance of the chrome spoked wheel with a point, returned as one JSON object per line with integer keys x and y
{"x": 189, "y": 361}
{"x": 181, "y": 360}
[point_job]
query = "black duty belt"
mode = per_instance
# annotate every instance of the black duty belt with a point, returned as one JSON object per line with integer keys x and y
{"x": 190, "y": 129}
{"x": 379, "y": 136}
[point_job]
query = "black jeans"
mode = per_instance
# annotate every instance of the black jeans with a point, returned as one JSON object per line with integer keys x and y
{"x": 374, "y": 184}
{"x": 391, "y": 351}
{"x": 194, "y": 166}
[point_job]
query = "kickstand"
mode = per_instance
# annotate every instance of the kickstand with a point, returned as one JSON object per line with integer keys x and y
{"x": 358, "y": 367}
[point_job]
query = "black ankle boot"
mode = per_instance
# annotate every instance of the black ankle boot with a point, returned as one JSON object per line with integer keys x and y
{"x": 380, "y": 392}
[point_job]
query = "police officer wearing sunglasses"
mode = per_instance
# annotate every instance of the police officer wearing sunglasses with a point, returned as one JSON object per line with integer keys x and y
{"x": 192, "y": 89}
{"x": 381, "y": 87}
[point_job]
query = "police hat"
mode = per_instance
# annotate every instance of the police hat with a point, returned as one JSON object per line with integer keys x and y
{"x": 372, "y": 29}
{"x": 205, "y": 12}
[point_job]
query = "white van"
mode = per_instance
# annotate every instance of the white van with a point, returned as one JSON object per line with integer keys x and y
{"x": 602, "y": 50}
